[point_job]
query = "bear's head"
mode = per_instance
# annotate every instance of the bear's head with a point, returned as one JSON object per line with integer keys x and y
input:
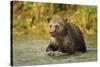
{"x": 57, "y": 26}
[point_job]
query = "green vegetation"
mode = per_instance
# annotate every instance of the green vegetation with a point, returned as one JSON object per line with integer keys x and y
{"x": 29, "y": 17}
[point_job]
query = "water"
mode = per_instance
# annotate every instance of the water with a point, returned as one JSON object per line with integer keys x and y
{"x": 32, "y": 52}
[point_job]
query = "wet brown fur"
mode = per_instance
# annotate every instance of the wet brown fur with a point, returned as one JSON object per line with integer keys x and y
{"x": 68, "y": 38}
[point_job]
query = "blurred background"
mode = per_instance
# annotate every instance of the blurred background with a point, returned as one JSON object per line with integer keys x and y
{"x": 28, "y": 18}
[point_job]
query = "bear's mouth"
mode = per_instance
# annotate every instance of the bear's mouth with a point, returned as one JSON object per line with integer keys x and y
{"x": 53, "y": 35}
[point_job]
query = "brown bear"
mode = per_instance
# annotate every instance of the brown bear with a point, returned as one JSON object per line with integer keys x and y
{"x": 65, "y": 37}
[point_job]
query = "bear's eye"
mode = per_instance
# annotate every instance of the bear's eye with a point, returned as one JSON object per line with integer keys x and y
{"x": 56, "y": 26}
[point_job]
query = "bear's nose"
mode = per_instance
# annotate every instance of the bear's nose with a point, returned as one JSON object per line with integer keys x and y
{"x": 52, "y": 31}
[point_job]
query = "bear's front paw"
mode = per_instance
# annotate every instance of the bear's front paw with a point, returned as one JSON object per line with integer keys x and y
{"x": 54, "y": 53}
{"x": 57, "y": 53}
{"x": 51, "y": 53}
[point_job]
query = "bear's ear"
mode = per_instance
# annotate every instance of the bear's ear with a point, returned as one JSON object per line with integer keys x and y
{"x": 48, "y": 18}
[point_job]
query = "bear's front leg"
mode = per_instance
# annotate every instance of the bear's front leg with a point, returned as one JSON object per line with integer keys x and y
{"x": 51, "y": 49}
